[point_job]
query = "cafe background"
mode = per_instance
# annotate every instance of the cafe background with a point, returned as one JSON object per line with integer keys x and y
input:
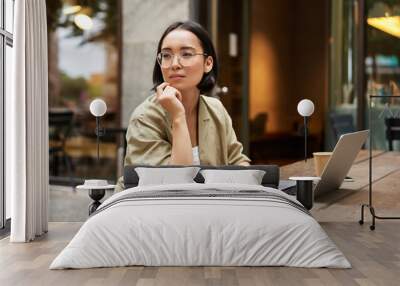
{"x": 272, "y": 54}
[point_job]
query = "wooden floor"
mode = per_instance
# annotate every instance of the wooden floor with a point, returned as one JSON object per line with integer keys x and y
{"x": 374, "y": 255}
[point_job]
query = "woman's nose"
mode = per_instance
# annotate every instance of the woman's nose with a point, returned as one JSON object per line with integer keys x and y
{"x": 175, "y": 62}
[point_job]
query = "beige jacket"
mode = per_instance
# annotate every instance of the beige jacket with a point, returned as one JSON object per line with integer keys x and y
{"x": 149, "y": 136}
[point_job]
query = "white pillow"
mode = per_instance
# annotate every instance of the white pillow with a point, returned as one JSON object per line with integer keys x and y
{"x": 248, "y": 177}
{"x": 166, "y": 176}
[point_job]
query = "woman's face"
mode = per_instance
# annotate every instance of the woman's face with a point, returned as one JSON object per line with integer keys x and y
{"x": 183, "y": 51}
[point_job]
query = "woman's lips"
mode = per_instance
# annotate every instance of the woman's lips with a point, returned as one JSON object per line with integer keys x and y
{"x": 176, "y": 76}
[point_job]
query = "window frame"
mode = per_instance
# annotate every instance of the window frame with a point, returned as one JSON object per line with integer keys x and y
{"x": 6, "y": 39}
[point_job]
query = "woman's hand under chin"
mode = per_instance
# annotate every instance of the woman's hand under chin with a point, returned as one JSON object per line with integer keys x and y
{"x": 171, "y": 100}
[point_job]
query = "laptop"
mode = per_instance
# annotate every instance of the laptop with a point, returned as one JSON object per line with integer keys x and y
{"x": 339, "y": 164}
{"x": 337, "y": 167}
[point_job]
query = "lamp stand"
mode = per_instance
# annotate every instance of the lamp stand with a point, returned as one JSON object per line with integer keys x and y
{"x": 99, "y": 133}
{"x": 305, "y": 137}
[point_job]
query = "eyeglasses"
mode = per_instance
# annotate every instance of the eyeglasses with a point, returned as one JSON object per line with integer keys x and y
{"x": 185, "y": 58}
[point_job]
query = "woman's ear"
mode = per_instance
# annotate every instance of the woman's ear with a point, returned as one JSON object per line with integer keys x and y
{"x": 208, "y": 64}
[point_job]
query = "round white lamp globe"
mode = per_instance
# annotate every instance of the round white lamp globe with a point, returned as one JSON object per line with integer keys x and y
{"x": 98, "y": 107}
{"x": 305, "y": 107}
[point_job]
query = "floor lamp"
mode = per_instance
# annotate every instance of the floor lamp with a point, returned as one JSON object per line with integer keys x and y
{"x": 304, "y": 185}
{"x": 95, "y": 187}
{"x": 305, "y": 108}
{"x": 98, "y": 108}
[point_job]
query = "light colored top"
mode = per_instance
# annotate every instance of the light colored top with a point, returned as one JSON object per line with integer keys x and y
{"x": 196, "y": 158}
{"x": 149, "y": 135}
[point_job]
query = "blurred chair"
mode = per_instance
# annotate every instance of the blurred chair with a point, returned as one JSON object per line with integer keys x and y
{"x": 341, "y": 124}
{"x": 392, "y": 130}
{"x": 60, "y": 128}
{"x": 120, "y": 134}
{"x": 257, "y": 125}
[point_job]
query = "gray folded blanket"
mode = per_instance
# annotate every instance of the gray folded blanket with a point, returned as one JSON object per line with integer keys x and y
{"x": 207, "y": 194}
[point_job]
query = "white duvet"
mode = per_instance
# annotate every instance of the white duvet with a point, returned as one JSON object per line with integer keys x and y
{"x": 188, "y": 231}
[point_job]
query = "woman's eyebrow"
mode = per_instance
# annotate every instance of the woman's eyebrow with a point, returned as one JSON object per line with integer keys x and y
{"x": 181, "y": 48}
{"x": 188, "y": 47}
{"x": 166, "y": 49}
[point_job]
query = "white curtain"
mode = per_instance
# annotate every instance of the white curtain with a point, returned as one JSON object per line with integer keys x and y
{"x": 27, "y": 165}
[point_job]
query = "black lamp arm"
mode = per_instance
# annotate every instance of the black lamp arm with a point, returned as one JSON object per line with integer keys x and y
{"x": 305, "y": 137}
{"x": 99, "y": 132}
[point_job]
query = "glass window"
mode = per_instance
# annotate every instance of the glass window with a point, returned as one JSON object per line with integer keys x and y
{"x": 343, "y": 31}
{"x": 2, "y": 205}
{"x": 9, "y": 9}
{"x": 8, "y": 86}
{"x": 1, "y": 14}
{"x": 382, "y": 65}
{"x": 83, "y": 65}
{"x": 343, "y": 74}
{"x": 385, "y": 122}
{"x": 6, "y": 25}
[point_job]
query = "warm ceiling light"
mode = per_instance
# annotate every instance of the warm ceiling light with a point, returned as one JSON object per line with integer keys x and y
{"x": 72, "y": 9}
{"x": 390, "y": 25}
{"x": 83, "y": 21}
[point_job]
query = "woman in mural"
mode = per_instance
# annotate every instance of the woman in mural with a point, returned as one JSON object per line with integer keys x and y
{"x": 179, "y": 125}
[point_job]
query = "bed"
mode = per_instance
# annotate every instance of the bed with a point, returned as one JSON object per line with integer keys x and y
{"x": 201, "y": 224}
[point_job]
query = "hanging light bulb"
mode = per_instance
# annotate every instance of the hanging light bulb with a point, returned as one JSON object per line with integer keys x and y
{"x": 83, "y": 21}
{"x": 71, "y": 9}
{"x": 388, "y": 24}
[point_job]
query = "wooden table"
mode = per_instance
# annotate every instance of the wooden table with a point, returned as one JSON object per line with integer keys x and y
{"x": 344, "y": 204}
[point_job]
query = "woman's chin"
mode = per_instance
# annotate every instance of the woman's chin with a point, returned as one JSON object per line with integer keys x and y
{"x": 178, "y": 86}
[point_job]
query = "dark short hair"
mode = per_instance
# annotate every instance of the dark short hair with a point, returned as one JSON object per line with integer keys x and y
{"x": 209, "y": 79}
